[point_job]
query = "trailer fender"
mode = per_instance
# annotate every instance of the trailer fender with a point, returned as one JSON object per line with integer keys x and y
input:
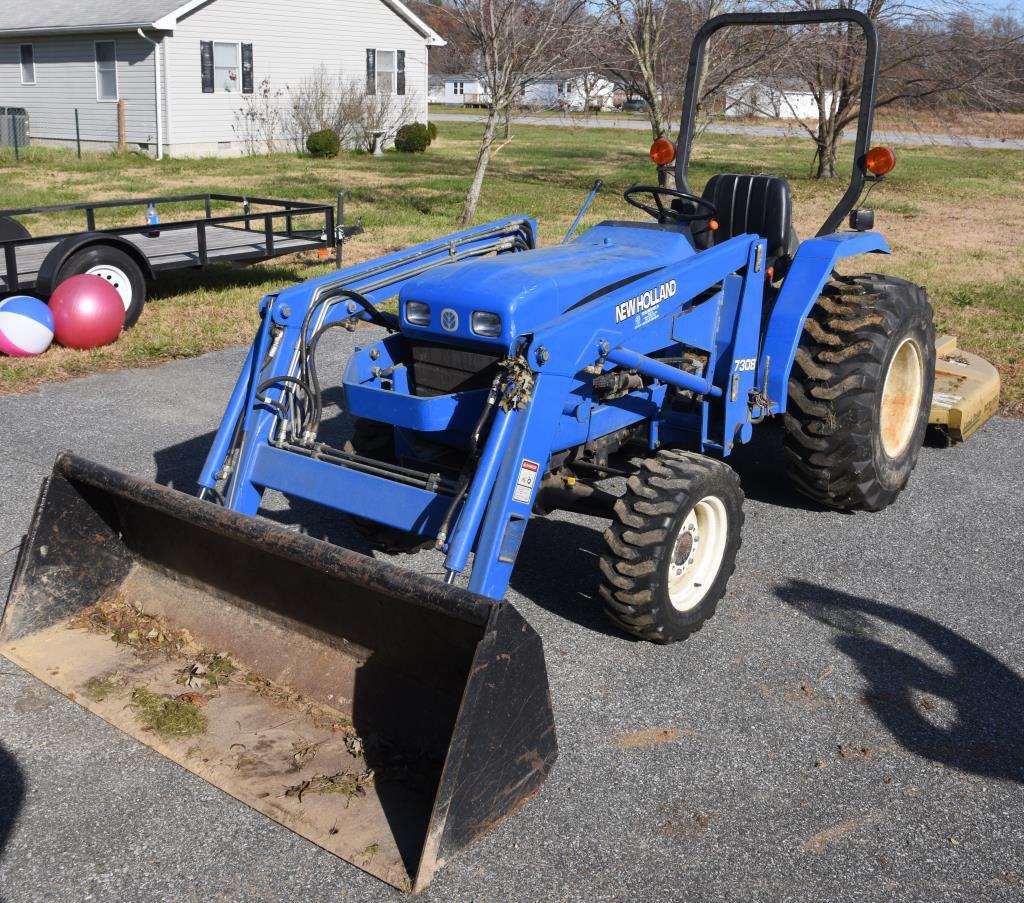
{"x": 46, "y": 281}
{"x": 811, "y": 268}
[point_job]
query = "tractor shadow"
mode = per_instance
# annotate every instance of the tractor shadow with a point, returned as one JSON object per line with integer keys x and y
{"x": 984, "y": 735}
{"x": 762, "y": 470}
{"x": 12, "y": 795}
{"x": 178, "y": 465}
{"x": 557, "y": 570}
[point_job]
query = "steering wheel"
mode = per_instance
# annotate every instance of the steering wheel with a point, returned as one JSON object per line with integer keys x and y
{"x": 665, "y": 214}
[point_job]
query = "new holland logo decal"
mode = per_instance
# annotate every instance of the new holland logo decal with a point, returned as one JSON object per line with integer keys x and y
{"x": 449, "y": 320}
{"x": 646, "y": 301}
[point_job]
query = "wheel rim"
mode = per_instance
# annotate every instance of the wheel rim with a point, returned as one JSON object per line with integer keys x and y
{"x": 901, "y": 398}
{"x": 697, "y": 551}
{"x": 117, "y": 278}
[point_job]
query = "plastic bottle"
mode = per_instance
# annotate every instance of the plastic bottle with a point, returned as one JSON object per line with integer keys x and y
{"x": 152, "y": 219}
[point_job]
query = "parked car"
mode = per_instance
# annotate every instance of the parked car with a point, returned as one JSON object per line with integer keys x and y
{"x": 634, "y": 105}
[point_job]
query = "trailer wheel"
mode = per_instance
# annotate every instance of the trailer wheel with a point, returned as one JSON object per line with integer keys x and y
{"x": 371, "y": 439}
{"x": 671, "y": 546}
{"x": 860, "y": 392}
{"x": 118, "y": 269}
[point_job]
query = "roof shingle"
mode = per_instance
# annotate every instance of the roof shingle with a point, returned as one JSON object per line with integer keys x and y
{"x": 59, "y": 15}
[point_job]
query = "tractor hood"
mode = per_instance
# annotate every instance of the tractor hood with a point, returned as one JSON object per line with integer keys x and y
{"x": 531, "y": 288}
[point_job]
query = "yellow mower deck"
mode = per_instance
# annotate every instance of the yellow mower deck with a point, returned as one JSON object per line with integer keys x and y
{"x": 966, "y": 390}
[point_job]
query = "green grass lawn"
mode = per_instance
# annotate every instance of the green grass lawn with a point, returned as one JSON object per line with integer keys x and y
{"x": 954, "y": 218}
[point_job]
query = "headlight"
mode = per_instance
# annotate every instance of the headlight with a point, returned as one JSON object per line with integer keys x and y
{"x": 486, "y": 324}
{"x": 417, "y": 313}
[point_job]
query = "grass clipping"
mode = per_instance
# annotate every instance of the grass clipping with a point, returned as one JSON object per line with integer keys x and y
{"x": 167, "y": 717}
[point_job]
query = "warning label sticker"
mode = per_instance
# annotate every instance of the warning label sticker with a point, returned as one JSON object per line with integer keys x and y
{"x": 527, "y": 480}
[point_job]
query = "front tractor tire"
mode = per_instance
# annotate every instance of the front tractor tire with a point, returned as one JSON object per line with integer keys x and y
{"x": 860, "y": 392}
{"x": 671, "y": 546}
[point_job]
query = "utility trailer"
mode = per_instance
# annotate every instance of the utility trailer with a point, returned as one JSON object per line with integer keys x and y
{"x": 129, "y": 257}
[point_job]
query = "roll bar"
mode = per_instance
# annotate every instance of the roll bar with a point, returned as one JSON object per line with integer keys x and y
{"x": 809, "y": 17}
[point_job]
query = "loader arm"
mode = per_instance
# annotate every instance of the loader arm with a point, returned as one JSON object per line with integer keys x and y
{"x": 246, "y": 421}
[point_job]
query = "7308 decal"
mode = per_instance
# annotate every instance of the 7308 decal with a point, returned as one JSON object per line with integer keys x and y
{"x": 743, "y": 364}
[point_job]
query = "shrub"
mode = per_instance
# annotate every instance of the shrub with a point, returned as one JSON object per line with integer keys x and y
{"x": 412, "y": 138}
{"x": 432, "y": 131}
{"x": 324, "y": 143}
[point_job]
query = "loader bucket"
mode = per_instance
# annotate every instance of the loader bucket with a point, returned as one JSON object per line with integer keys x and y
{"x": 386, "y": 717}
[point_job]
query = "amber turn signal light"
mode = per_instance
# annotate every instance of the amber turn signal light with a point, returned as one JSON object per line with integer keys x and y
{"x": 879, "y": 160}
{"x": 663, "y": 152}
{"x": 713, "y": 225}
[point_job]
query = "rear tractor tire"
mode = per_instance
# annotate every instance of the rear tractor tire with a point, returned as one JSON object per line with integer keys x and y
{"x": 860, "y": 392}
{"x": 371, "y": 439}
{"x": 671, "y": 546}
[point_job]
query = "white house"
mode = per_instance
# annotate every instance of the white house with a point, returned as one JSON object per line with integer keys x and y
{"x": 547, "y": 92}
{"x": 770, "y": 98}
{"x": 183, "y": 69}
{"x": 568, "y": 92}
{"x": 464, "y": 90}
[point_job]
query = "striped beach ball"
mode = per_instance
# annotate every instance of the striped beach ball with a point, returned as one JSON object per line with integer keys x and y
{"x": 26, "y": 326}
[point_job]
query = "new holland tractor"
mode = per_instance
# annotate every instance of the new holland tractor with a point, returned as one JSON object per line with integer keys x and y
{"x": 511, "y": 381}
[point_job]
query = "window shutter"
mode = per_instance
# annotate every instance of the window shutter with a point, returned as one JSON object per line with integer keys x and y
{"x": 247, "y": 85}
{"x": 371, "y": 71}
{"x": 400, "y": 77}
{"x": 206, "y": 65}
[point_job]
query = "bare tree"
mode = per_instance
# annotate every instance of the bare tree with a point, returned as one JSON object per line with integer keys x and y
{"x": 636, "y": 44}
{"x": 261, "y": 120}
{"x": 931, "y": 55}
{"x": 512, "y": 40}
{"x": 645, "y": 50}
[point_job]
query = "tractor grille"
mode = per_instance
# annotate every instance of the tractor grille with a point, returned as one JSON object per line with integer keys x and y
{"x": 441, "y": 369}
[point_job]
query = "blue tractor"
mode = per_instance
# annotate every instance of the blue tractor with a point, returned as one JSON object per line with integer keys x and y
{"x": 511, "y": 381}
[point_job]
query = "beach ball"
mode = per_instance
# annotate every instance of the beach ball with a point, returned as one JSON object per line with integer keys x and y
{"x": 26, "y": 326}
{"x": 87, "y": 312}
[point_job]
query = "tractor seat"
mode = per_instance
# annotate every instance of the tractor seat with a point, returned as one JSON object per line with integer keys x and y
{"x": 761, "y": 205}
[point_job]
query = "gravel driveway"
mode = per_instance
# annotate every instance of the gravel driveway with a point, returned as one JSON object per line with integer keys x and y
{"x": 850, "y": 726}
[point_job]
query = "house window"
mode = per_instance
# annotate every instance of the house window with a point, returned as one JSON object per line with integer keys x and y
{"x": 28, "y": 64}
{"x": 460, "y": 88}
{"x": 227, "y": 66}
{"x": 106, "y": 70}
{"x": 386, "y": 71}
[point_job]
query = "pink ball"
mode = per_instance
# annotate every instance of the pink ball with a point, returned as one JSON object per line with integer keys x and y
{"x": 87, "y": 312}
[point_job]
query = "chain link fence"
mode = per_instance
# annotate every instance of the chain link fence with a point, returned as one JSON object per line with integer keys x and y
{"x": 14, "y": 129}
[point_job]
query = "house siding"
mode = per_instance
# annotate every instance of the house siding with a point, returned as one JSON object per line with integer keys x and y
{"x": 66, "y": 79}
{"x": 288, "y": 45}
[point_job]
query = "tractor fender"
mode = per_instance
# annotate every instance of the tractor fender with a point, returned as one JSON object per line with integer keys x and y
{"x": 813, "y": 264}
{"x": 46, "y": 281}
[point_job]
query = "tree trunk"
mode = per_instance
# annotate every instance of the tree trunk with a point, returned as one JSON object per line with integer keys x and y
{"x": 827, "y": 141}
{"x": 483, "y": 157}
{"x": 508, "y": 122}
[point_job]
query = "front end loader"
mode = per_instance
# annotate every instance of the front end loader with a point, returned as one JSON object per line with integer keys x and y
{"x": 394, "y": 718}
